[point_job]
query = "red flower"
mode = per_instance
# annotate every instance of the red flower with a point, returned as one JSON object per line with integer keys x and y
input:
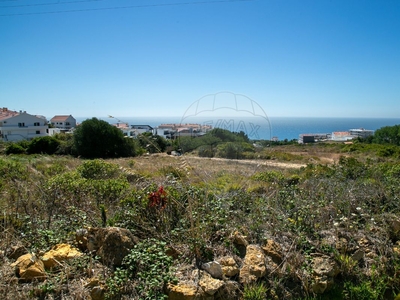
{"x": 158, "y": 199}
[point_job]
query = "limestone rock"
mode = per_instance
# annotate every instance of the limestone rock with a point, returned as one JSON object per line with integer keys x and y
{"x": 28, "y": 267}
{"x": 183, "y": 291}
{"x": 111, "y": 244}
{"x": 213, "y": 268}
{"x": 209, "y": 285}
{"x": 325, "y": 267}
{"x": 229, "y": 266}
{"x": 230, "y": 290}
{"x": 253, "y": 265}
{"x": 321, "y": 284}
{"x": 273, "y": 250}
{"x": 239, "y": 239}
{"x": 59, "y": 253}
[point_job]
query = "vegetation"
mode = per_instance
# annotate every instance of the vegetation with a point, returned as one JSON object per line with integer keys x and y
{"x": 98, "y": 139}
{"x": 330, "y": 201}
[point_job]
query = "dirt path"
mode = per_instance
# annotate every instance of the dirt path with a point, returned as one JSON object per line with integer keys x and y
{"x": 259, "y": 162}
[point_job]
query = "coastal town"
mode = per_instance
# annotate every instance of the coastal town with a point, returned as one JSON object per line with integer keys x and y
{"x": 20, "y": 125}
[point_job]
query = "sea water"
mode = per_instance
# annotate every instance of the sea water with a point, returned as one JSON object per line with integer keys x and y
{"x": 280, "y": 127}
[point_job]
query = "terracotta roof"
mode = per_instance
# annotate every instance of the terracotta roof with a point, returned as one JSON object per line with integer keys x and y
{"x": 59, "y": 118}
{"x": 6, "y": 113}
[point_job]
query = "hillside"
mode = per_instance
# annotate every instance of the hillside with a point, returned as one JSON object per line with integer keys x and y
{"x": 294, "y": 222}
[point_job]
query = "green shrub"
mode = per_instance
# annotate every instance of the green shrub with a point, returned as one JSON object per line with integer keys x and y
{"x": 14, "y": 149}
{"x": 43, "y": 145}
{"x": 98, "y": 169}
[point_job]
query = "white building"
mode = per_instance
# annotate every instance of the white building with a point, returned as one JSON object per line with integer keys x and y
{"x": 17, "y": 126}
{"x": 361, "y": 132}
{"x": 63, "y": 122}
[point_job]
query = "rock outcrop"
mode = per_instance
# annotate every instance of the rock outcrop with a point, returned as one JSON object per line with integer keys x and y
{"x": 58, "y": 254}
{"x": 253, "y": 265}
{"x": 29, "y": 267}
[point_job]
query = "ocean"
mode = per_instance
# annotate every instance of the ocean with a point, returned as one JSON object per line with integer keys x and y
{"x": 261, "y": 128}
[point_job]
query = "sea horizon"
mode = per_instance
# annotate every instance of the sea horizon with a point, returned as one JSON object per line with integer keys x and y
{"x": 280, "y": 127}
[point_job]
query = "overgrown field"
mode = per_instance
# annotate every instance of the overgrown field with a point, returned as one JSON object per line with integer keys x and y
{"x": 339, "y": 204}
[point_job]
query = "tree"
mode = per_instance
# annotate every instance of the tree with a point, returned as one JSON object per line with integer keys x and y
{"x": 388, "y": 135}
{"x": 44, "y": 144}
{"x": 95, "y": 138}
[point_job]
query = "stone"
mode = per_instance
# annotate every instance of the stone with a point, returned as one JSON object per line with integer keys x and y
{"x": 184, "y": 291}
{"x": 325, "y": 270}
{"x": 209, "y": 285}
{"x": 321, "y": 284}
{"x": 58, "y": 254}
{"x": 273, "y": 250}
{"x": 15, "y": 251}
{"x": 213, "y": 268}
{"x": 325, "y": 267}
{"x": 230, "y": 290}
{"x": 111, "y": 244}
{"x": 253, "y": 265}
{"x": 229, "y": 266}
{"x": 358, "y": 255}
{"x": 239, "y": 239}
{"x": 28, "y": 267}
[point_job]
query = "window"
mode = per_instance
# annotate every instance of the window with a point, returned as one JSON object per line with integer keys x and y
{"x": 36, "y": 124}
{"x": 67, "y": 123}
{"x": 37, "y": 131}
{"x": 21, "y": 124}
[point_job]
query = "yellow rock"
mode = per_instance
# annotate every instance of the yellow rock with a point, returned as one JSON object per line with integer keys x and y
{"x": 29, "y": 267}
{"x": 59, "y": 253}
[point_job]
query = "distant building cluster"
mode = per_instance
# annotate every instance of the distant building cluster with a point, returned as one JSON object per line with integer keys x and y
{"x": 17, "y": 126}
{"x": 334, "y": 136}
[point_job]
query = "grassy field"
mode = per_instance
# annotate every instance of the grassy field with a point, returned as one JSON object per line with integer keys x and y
{"x": 322, "y": 200}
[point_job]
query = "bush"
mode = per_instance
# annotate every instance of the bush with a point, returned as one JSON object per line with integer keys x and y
{"x": 43, "y": 145}
{"x": 97, "y": 139}
{"x": 15, "y": 149}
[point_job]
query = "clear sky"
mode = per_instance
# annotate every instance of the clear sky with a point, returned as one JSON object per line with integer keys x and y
{"x": 129, "y": 58}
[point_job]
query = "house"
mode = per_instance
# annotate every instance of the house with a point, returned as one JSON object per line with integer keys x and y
{"x": 126, "y": 130}
{"x": 341, "y": 136}
{"x": 361, "y": 132}
{"x": 171, "y": 131}
{"x": 17, "y": 126}
{"x": 63, "y": 122}
{"x": 139, "y": 129}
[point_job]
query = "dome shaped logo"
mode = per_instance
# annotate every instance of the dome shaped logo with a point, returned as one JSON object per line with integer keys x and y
{"x": 233, "y": 112}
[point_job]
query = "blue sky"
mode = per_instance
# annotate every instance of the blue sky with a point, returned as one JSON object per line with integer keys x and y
{"x": 130, "y": 58}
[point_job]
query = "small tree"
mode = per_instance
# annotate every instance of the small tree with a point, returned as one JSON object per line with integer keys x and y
{"x": 45, "y": 144}
{"x": 95, "y": 138}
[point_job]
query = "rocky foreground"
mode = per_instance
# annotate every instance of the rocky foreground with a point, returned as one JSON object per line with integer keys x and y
{"x": 223, "y": 277}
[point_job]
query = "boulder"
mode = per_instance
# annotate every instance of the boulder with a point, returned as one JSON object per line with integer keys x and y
{"x": 208, "y": 284}
{"x": 28, "y": 267}
{"x": 325, "y": 270}
{"x": 273, "y": 250}
{"x": 97, "y": 290}
{"x": 58, "y": 254}
{"x": 240, "y": 242}
{"x": 111, "y": 244}
{"x": 184, "y": 291}
{"x": 229, "y": 266}
{"x": 253, "y": 265}
{"x": 213, "y": 268}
